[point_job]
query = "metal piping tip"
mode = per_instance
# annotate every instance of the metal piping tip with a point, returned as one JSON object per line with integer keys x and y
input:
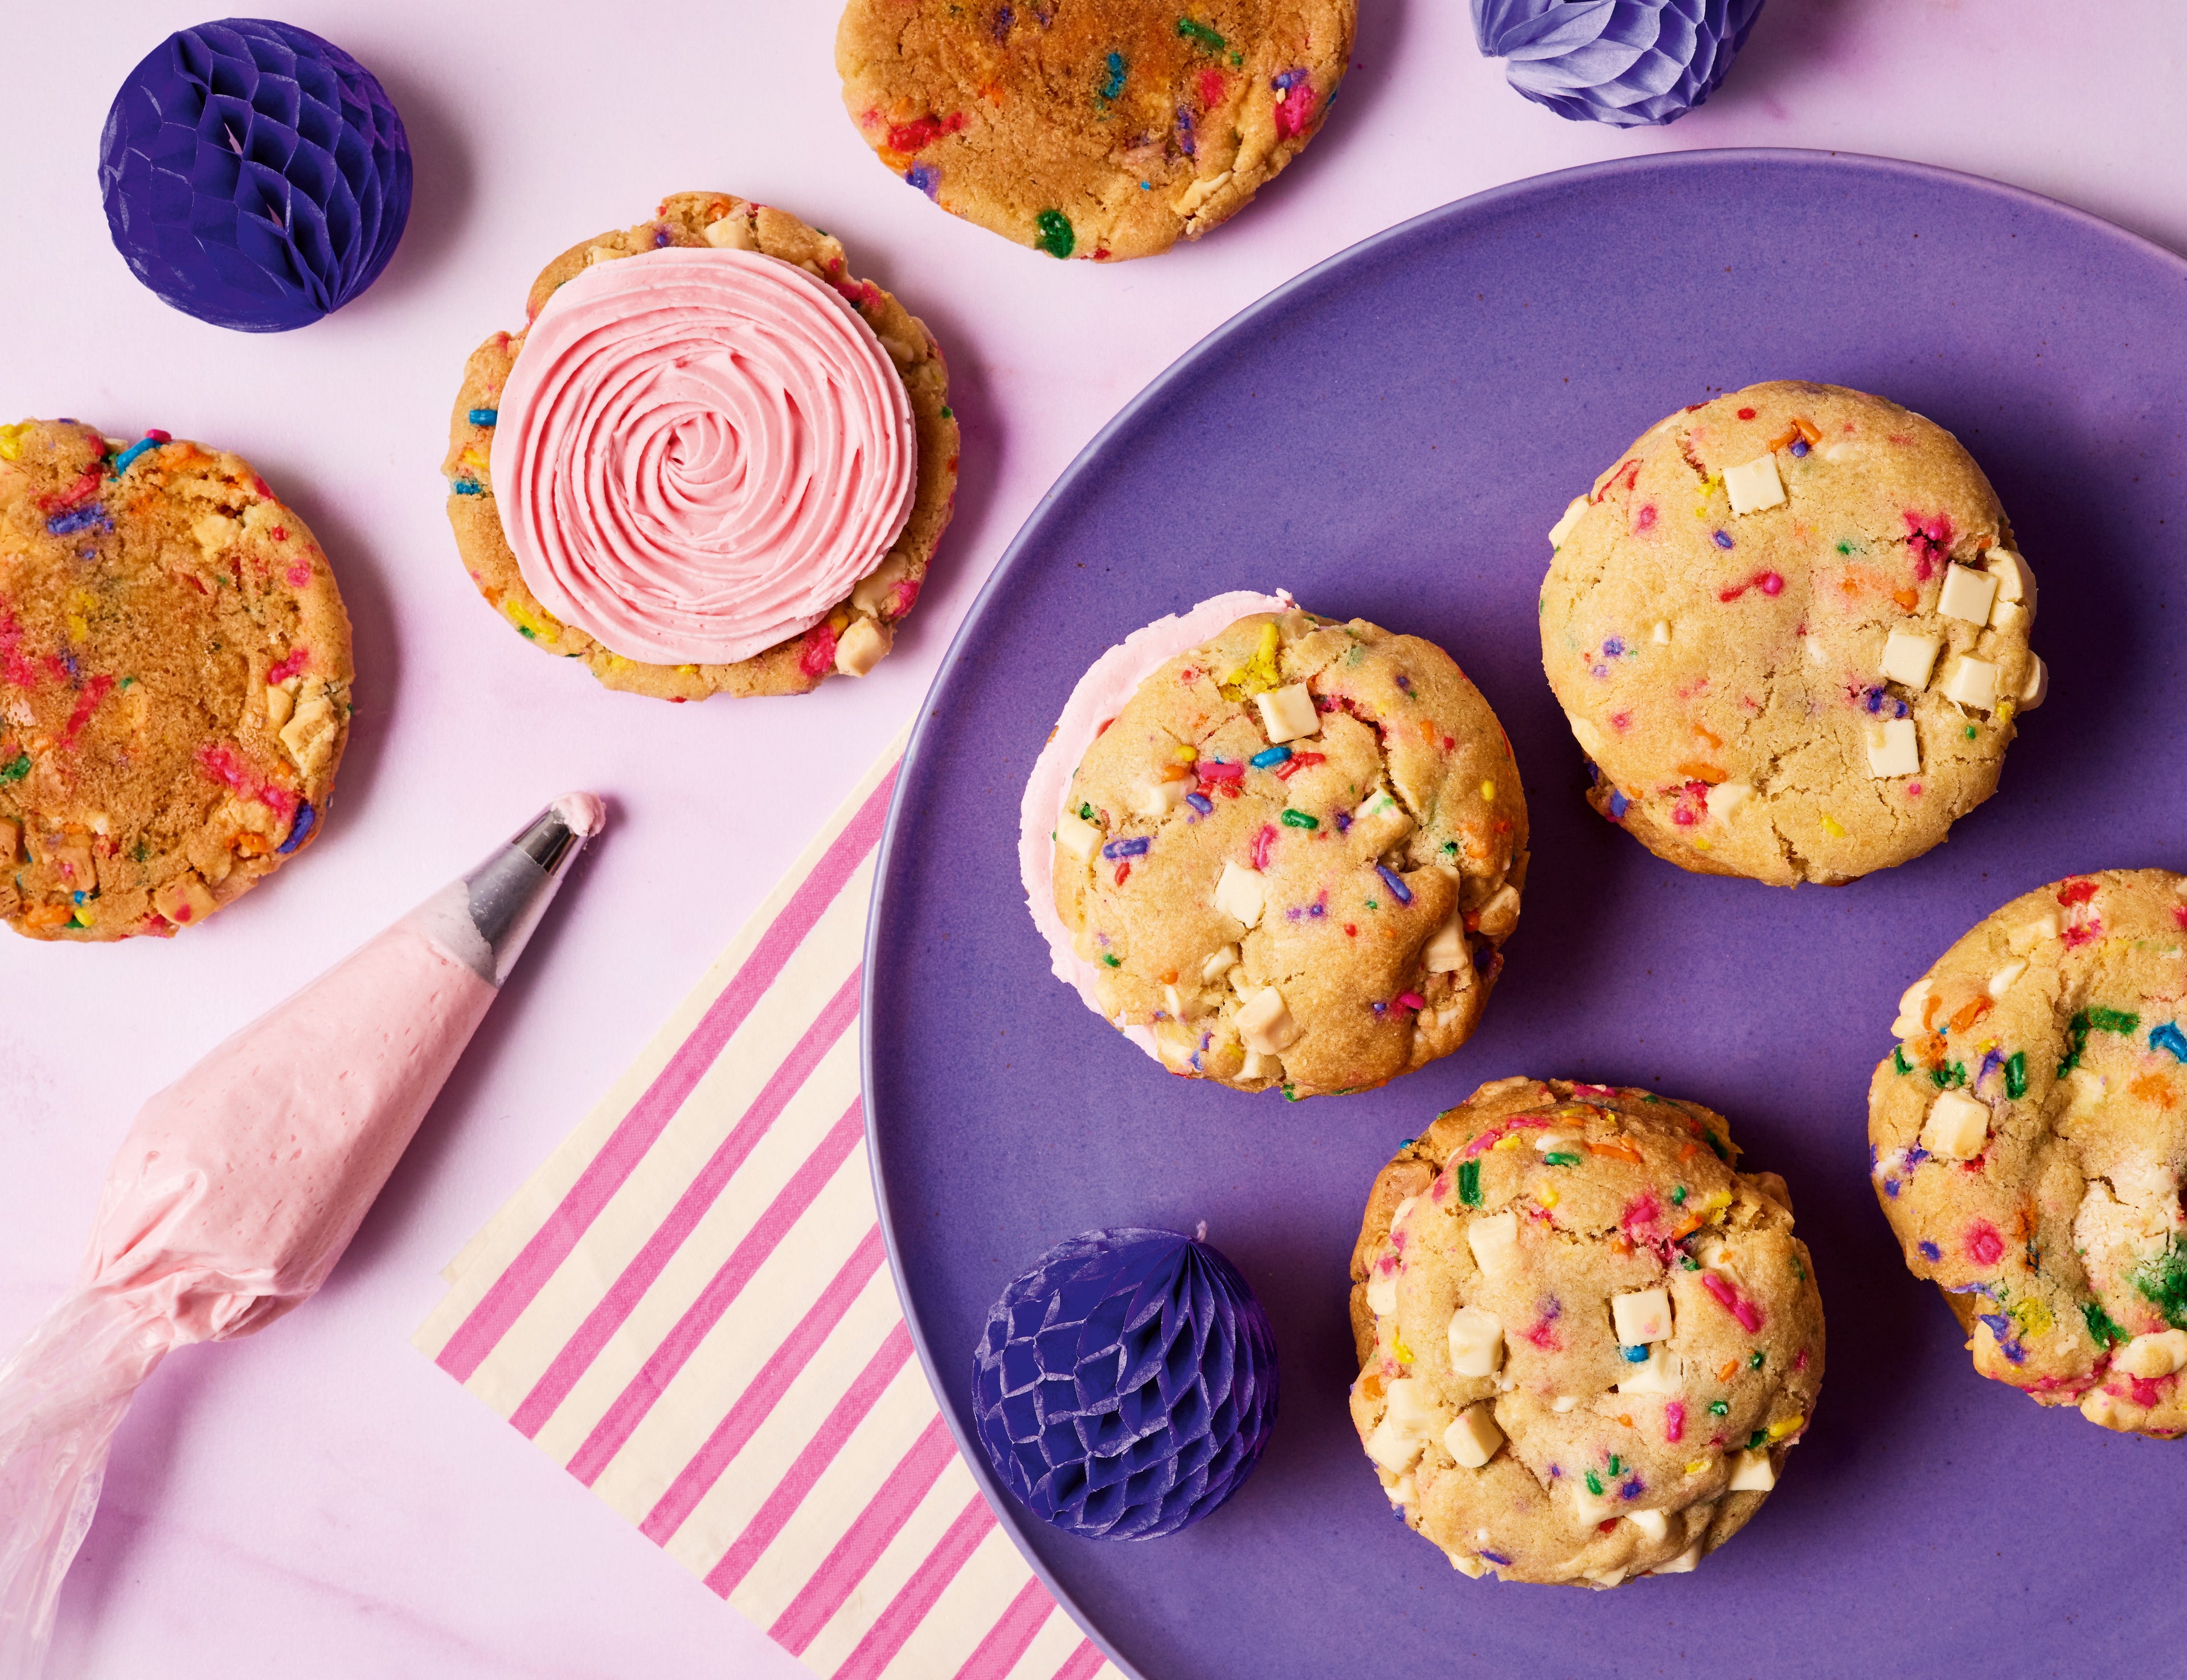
{"x": 509, "y": 892}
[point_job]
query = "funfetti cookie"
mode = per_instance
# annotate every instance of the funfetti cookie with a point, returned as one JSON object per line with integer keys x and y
{"x": 174, "y": 681}
{"x": 1100, "y": 129}
{"x": 1276, "y": 851}
{"x": 2029, "y": 1142}
{"x": 1790, "y": 630}
{"x": 1586, "y": 1342}
{"x": 715, "y": 462}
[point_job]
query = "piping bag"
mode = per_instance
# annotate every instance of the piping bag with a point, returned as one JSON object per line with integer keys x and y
{"x": 239, "y": 1186}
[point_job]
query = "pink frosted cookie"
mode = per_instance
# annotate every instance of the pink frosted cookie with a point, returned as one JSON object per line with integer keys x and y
{"x": 1276, "y": 851}
{"x": 1790, "y": 631}
{"x": 2029, "y": 1137}
{"x": 713, "y": 463}
{"x": 1586, "y": 1342}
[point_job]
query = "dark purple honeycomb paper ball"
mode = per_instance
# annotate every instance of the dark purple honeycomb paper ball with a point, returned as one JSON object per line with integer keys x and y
{"x": 1125, "y": 1386}
{"x": 255, "y": 176}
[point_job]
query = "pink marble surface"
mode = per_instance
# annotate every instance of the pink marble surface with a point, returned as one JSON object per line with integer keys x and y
{"x": 321, "y": 1500}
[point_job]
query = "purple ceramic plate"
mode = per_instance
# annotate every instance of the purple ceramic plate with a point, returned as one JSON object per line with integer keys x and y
{"x": 1390, "y": 436}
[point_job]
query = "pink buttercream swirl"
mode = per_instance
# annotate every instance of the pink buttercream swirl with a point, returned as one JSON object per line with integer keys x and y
{"x": 699, "y": 452}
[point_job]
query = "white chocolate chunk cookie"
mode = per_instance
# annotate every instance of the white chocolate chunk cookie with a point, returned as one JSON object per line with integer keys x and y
{"x": 2028, "y": 1138}
{"x": 1586, "y": 1342}
{"x": 174, "y": 675}
{"x": 1292, "y": 857}
{"x": 1804, "y": 593}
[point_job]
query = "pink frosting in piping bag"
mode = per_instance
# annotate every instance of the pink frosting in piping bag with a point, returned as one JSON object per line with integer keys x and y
{"x": 699, "y": 452}
{"x": 239, "y": 1186}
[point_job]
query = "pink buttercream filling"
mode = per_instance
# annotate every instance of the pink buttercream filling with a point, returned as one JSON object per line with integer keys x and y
{"x": 1101, "y": 693}
{"x": 699, "y": 452}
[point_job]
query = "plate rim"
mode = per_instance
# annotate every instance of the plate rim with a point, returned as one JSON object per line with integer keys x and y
{"x": 1009, "y": 1515}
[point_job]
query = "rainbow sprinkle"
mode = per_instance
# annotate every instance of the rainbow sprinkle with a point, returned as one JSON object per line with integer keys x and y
{"x": 1136, "y": 847}
{"x": 1056, "y": 236}
{"x": 2167, "y": 1038}
{"x": 485, "y": 416}
{"x": 1402, "y": 893}
{"x": 126, "y": 459}
{"x": 1269, "y": 757}
{"x": 1299, "y": 819}
{"x": 300, "y": 830}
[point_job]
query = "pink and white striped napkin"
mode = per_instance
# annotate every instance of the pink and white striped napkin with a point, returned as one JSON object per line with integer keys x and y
{"x": 688, "y": 1308}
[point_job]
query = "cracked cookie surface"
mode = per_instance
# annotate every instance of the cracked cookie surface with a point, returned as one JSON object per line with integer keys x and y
{"x": 2029, "y": 1138}
{"x": 174, "y": 681}
{"x": 1790, "y": 631}
{"x": 860, "y": 629}
{"x": 1100, "y": 129}
{"x": 1294, "y": 856}
{"x": 1587, "y": 1342}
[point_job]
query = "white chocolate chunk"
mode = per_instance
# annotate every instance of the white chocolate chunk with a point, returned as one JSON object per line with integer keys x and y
{"x": 873, "y": 591}
{"x": 1589, "y": 736}
{"x": 1653, "y": 1524}
{"x": 1241, "y": 894}
{"x": 1548, "y": 1142}
{"x": 1159, "y": 799}
{"x": 2005, "y": 615}
{"x": 1662, "y": 633}
{"x": 1446, "y": 952}
{"x": 1077, "y": 836}
{"x": 1689, "y": 1559}
{"x": 1467, "y": 1564}
{"x": 1260, "y": 1066}
{"x": 1725, "y": 798}
{"x": 2035, "y": 686}
{"x": 1563, "y": 527}
{"x": 2029, "y": 934}
{"x": 311, "y": 732}
{"x": 1893, "y": 749}
{"x": 1751, "y": 1473}
{"x": 1967, "y": 594}
{"x": 1957, "y": 1127}
{"x": 1592, "y": 1508}
{"x": 2157, "y": 1355}
{"x": 733, "y": 232}
{"x": 1911, "y": 1005}
{"x": 1641, "y": 1316}
{"x": 1183, "y": 1006}
{"x": 1754, "y": 486}
{"x": 1815, "y": 654}
{"x": 1662, "y": 1372}
{"x": 1218, "y": 965}
{"x": 1379, "y": 822}
{"x": 1413, "y": 1419}
{"x": 1563, "y": 1402}
{"x": 1973, "y": 681}
{"x": 1287, "y": 714}
{"x": 1494, "y": 1241}
{"x": 1382, "y": 1291}
{"x": 1500, "y": 914}
{"x": 1473, "y": 1436}
{"x": 1910, "y": 658}
{"x": 2099, "y": 1407}
{"x": 1266, "y": 1025}
{"x": 1606, "y": 1578}
{"x": 1476, "y": 1342}
{"x": 2001, "y": 981}
{"x": 2014, "y": 582}
{"x": 862, "y": 645}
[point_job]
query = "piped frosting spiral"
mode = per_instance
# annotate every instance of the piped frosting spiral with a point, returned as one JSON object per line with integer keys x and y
{"x": 699, "y": 452}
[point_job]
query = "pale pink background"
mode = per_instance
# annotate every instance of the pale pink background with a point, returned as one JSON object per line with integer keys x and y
{"x": 321, "y": 1501}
